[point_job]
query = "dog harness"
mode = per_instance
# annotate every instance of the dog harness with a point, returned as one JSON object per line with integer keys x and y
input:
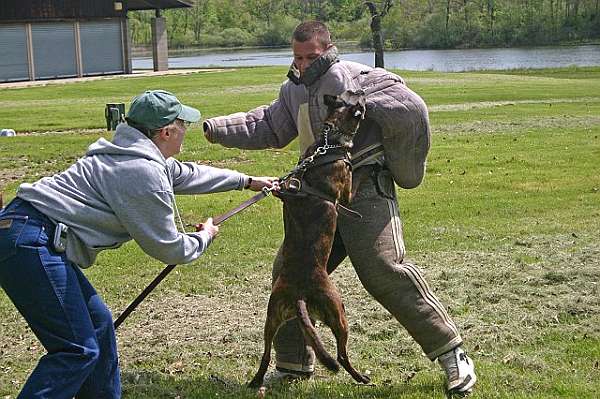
{"x": 295, "y": 185}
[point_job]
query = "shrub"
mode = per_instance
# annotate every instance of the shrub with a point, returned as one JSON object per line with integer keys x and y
{"x": 280, "y": 31}
{"x": 234, "y": 37}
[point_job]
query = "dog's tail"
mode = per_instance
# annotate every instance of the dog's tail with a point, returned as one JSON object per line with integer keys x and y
{"x": 313, "y": 339}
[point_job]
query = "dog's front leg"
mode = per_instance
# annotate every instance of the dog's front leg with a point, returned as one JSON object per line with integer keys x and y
{"x": 275, "y": 318}
{"x": 257, "y": 381}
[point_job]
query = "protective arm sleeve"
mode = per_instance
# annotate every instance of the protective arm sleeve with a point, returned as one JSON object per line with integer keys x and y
{"x": 269, "y": 126}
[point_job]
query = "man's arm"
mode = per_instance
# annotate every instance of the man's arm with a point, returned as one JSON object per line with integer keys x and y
{"x": 191, "y": 178}
{"x": 144, "y": 206}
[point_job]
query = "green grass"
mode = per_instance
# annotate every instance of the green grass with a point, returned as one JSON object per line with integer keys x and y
{"x": 505, "y": 227}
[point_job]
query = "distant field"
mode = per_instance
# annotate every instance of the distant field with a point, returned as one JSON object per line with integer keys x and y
{"x": 505, "y": 228}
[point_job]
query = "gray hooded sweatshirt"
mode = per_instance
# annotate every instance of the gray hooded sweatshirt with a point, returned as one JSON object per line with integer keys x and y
{"x": 123, "y": 190}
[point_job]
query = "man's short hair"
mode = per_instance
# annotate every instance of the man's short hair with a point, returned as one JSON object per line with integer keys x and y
{"x": 310, "y": 29}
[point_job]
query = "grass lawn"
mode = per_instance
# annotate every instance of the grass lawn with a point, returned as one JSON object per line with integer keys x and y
{"x": 505, "y": 227}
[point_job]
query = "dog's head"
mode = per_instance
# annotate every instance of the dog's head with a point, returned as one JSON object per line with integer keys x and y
{"x": 343, "y": 117}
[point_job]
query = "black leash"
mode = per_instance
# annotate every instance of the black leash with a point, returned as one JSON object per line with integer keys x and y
{"x": 320, "y": 156}
{"x": 217, "y": 220}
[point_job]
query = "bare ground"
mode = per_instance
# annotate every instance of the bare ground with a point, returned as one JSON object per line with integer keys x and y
{"x": 503, "y": 301}
{"x": 491, "y": 104}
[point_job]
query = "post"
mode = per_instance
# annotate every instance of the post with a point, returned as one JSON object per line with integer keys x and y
{"x": 114, "y": 113}
{"x": 30, "y": 60}
{"x": 160, "y": 47}
{"x": 78, "y": 58}
{"x": 126, "y": 40}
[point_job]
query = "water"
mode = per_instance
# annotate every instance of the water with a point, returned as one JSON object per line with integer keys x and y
{"x": 415, "y": 60}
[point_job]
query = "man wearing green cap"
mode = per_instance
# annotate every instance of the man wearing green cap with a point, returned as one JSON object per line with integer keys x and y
{"x": 120, "y": 190}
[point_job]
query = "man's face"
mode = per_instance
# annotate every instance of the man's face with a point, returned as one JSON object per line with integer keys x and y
{"x": 306, "y": 52}
{"x": 179, "y": 133}
{"x": 174, "y": 140}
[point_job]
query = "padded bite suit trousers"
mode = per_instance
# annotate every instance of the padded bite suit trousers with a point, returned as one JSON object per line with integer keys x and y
{"x": 376, "y": 250}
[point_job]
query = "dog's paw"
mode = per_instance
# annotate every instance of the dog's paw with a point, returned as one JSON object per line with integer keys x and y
{"x": 261, "y": 392}
{"x": 365, "y": 379}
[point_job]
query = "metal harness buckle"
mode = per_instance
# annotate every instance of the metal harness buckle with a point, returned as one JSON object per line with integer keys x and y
{"x": 293, "y": 185}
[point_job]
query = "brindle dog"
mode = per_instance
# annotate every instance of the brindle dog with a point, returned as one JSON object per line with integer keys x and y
{"x": 312, "y": 196}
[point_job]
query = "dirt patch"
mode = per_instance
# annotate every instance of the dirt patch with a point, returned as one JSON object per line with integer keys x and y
{"x": 489, "y": 127}
{"x": 79, "y": 131}
{"x": 135, "y": 74}
{"x": 502, "y": 301}
{"x": 265, "y": 88}
{"x": 501, "y": 298}
{"x": 492, "y": 104}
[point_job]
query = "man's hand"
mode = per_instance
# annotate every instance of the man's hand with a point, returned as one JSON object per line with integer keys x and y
{"x": 209, "y": 227}
{"x": 258, "y": 183}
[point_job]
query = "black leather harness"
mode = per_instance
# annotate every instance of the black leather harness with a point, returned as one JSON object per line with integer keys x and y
{"x": 294, "y": 185}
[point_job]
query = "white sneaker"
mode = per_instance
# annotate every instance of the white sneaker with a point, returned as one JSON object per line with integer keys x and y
{"x": 282, "y": 376}
{"x": 460, "y": 371}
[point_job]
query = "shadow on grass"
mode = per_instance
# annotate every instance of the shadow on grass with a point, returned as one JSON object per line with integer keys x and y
{"x": 159, "y": 385}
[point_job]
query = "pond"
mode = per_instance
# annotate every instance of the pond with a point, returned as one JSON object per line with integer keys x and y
{"x": 415, "y": 60}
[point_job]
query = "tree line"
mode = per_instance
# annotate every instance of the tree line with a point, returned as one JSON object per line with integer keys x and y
{"x": 408, "y": 24}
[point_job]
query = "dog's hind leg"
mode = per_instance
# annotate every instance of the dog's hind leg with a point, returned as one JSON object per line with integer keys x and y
{"x": 334, "y": 316}
{"x": 312, "y": 338}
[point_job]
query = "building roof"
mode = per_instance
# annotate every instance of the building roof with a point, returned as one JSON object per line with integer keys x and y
{"x": 157, "y": 4}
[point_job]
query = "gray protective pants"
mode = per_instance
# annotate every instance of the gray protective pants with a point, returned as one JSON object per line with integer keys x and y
{"x": 376, "y": 250}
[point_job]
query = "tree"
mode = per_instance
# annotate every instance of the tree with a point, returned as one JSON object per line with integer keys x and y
{"x": 412, "y": 23}
{"x": 376, "y": 29}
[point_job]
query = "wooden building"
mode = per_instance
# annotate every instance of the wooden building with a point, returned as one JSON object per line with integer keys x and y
{"x": 48, "y": 39}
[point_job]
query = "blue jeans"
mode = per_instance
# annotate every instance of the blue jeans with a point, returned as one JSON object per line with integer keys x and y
{"x": 61, "y": 307}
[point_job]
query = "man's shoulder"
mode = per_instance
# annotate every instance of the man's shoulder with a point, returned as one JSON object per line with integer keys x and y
{"x": 351, "y": 67}
{"x": 291, "y": 90}
{"x": 342, "y": 76}
{"x": 134, "y": 167}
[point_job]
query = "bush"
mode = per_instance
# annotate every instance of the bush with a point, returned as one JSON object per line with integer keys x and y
{"x": 184, "y": 40}
{"x": 280, "y": 31}
{"x": 432, "y": 33}
{"x": 209, "y": 40}
{"x": 349, "y": 31}
{"x": 235, "y": 37}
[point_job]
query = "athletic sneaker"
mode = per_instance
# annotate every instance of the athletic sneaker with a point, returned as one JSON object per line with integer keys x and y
{"x": 282, "y": 376}
{"x": 460, "y": 371}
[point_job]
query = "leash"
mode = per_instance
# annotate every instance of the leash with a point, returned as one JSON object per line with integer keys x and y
{"x": 301, "y": 167}
{"x": 165, "y": 272}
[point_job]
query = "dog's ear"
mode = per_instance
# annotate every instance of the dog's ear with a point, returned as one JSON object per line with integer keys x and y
{"x": 351, "y": 97}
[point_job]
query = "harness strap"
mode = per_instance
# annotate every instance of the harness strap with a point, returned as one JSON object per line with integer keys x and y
{"x": 348, "y": 212}
{"x": 305, "y": 190}
{"x": 302, "y": 189}
{"x": 367, "y": 154}
{"x": 330, "y": 158}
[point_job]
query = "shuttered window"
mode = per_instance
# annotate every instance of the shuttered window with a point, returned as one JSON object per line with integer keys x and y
{"x": 101, "y": 47}
{"x": 13, "y": 50}
{"x": 54, "y": 50}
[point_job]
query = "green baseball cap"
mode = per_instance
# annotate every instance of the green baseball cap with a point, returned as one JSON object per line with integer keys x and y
{"x": 157, "y": 108}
